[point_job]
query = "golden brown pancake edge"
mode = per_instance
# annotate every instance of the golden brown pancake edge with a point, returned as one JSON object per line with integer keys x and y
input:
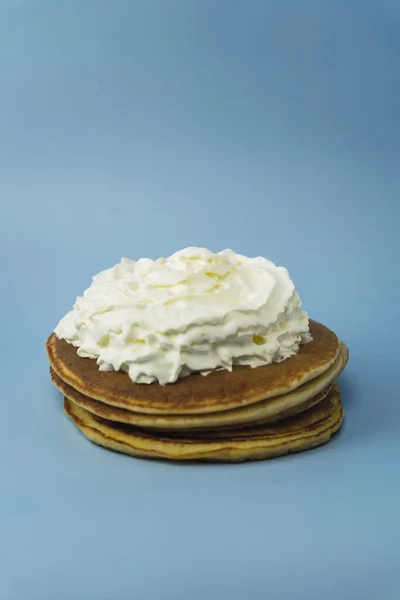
{"x": 307, "y": 430}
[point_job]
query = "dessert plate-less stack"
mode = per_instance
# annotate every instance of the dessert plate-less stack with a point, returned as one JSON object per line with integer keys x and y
{"x": 246, "y": 414}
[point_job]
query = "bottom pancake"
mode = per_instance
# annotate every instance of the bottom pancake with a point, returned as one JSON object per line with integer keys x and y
{"x": 309, "y": 429}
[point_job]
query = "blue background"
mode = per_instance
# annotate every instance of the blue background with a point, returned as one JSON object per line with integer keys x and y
{"x": 138, "y": 128}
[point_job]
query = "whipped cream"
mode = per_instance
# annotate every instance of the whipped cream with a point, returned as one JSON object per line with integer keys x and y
{"x": 159, "y": 320}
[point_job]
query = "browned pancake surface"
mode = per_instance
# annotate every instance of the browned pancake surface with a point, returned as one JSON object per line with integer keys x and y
{"x": 220, "y": 390}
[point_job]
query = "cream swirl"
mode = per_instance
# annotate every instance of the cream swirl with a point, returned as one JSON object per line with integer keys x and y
{"x": 159, "y": 320}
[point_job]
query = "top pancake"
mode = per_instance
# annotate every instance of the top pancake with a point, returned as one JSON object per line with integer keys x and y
{"x": 196, "y": 394}
{"x": 264, "y": 411}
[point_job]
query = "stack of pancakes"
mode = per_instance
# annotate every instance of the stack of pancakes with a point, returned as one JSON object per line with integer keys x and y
{"x": 246, "y": 414}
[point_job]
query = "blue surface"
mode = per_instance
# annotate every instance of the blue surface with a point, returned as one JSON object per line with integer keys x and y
{"x": 135, "y": 129}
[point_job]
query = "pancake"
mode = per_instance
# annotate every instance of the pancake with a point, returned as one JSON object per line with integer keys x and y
{"x": 218, "y": 391}
{"x": 264, "y": 411}
{"x": 221, "y": 420}
{"x": 302, "y": 432}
